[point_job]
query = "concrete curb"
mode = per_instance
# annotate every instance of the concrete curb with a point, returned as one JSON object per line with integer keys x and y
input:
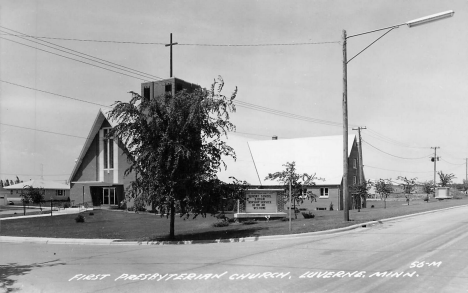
{"x": 40, "y": 240}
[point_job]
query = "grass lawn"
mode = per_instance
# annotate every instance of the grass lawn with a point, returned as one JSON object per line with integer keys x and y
{"x": 146, "y": 226}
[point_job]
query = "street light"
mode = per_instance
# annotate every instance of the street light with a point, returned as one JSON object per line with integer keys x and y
{"x": 412, "y": 23}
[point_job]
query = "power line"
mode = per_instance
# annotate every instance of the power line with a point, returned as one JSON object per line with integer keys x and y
{"x": 112, "y": 63}
{"x": 75, "y": 59}
{"x": 54, "y": 94}
{"x": 285, "y": 114}
{"x": 186, "y": 44}
{"x": 389, "y": 140}
{"x": 394, "y": 155}
{"x": 395, "y": 170}
{"x": 51, "y": 132}
{"x": 451, "y": 163}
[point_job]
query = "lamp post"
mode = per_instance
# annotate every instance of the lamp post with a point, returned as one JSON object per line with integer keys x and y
{"x": 411, "y": 23}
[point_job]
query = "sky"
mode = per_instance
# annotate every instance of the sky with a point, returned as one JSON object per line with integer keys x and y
{"x": 408, "y": 89}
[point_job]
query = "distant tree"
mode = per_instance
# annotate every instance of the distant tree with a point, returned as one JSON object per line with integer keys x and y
{"x": 17, "y": 180}
{"x": 360, "y": 191}
{"x": 428, "y": 188}
{"x": 11, "y": 182}
{"x": 445, "y": 179}
{"x": 383, "y": 187}
{"x": 33, "y": 195}
{"x": 6, "y": 183}
{"x": 1, "y": 183}
{"x": 409, "y": 185}
{"x": 298, "y": 183}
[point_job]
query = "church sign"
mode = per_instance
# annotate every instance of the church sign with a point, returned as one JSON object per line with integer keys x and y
{"x": 261, "y": 203}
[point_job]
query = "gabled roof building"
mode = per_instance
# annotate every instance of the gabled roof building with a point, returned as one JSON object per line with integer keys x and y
{"x": 320, "y": 155}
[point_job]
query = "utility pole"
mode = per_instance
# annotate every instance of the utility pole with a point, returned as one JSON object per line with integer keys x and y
{"x": 435, "y": 159}
{"x": 345, "y": 130}
{"x": 170, "y": 45}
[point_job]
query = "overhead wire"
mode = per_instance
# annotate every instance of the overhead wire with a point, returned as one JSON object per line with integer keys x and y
{"x": 139, "y": 78}
{"x": 40, "y": 130}
{"x": 58, "y": 95}
{"x": 189, "y": 44}
{"x": 395, "y": 155}
{"x": 286, "y": 114}
{"x": 112, "y": 64}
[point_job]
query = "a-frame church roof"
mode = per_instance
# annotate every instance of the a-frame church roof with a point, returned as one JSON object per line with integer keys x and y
{"x": 98, "y": 121}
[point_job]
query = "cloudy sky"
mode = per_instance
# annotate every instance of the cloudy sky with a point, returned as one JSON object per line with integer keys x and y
{"x": 409, "y": 89}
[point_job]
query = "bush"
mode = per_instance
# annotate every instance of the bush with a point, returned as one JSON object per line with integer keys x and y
{"x": 372, "y": 206}
{"x": 80, "y": 219}
{"x": 308, "y": 215}
{"x": 66, "y": 205}
{"x": 249, "y": 222}
{"x": 91, "y": 214}
{"x": 231, "y": 220}
{"x": 221, "y": 224}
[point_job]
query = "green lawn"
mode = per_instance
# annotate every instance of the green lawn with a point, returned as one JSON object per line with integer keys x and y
{"x": 146, "y": 226}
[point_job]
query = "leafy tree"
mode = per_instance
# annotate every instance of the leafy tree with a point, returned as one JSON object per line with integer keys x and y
{"x": 383, "y": 187}
{"x": 428, "y": 188}
{"x": 17, "y": 180}
{"x": 6, "y": 183}
{"x": 1, "y": 183}
{"x": 11, "y": 182}
{"x": 34, "y": 195}
{"x": 360, "y": 191}
{"x": 445, "y": 179}
{"x": 408, "y": 186}
{"x": 298, "y": 183}
{"x": 174, "y": 146}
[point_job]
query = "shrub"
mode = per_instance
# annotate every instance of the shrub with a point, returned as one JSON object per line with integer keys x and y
{"x": 231, "y": 220}
{"x": 66, "y": 205}
{"x": 80, "y": 219}
{"x": 249, "y": 222}
{"x": 91, "y": 214}
{"x": 221, "y": 224}
{"x": 372, "y": 206}
{"x": 331, "y": 206}
{"x": 284, "y": 219}
{"x": 308, "y": 215}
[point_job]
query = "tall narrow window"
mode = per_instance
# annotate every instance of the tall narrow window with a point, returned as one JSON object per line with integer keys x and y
{"x": 355, "y": 163}
{"x": 108, "y": 151}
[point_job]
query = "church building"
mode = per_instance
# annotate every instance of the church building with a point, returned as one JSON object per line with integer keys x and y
{"x": 98, "y": 174}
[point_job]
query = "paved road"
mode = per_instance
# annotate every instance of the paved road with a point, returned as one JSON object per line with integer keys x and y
{"x": 426, "y": 253}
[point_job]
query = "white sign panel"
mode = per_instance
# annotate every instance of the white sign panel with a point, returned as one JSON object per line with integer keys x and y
{"x": 259, "y": 201}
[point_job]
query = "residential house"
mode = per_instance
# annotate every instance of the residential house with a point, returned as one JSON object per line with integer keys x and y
{"x": 52, "y": 190}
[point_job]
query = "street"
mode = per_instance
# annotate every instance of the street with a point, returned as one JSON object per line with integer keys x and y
{"x": 425, "y": 253}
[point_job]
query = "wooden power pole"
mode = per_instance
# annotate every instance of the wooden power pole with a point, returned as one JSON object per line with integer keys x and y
{"x": 435, "y": 159}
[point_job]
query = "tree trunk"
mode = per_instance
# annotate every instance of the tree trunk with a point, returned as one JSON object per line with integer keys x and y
{"x": 171, "y": 232}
